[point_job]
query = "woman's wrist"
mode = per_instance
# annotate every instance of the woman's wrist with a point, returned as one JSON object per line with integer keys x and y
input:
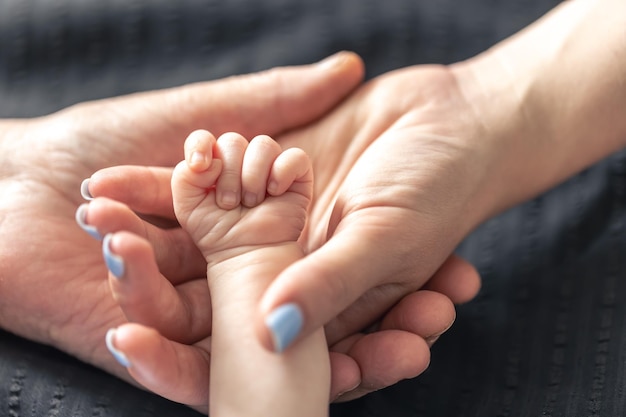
{"x": 550, "y": 98}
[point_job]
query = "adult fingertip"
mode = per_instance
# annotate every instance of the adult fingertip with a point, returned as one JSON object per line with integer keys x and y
{"x": 115, "y": 263}
{"x": 472, "y": 287}
{"x": 467, "y": 286}
{"x": 424, "y": 313}
{"x": 81, "y": 219}
{"x": 119, "y": 356}
{"x": 84, "y": 189}
{"x": 390, "y": 356}
{"x": 345, "y": 375}
{"x": 284, "y": 324}
{"x": 321, "y": 286}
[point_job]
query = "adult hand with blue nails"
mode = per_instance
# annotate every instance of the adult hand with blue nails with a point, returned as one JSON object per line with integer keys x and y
{"x": 156, "y": 342}
{"x": 414, "y": 160}
{"x": 435, "y": 151}
{"x": 53, "y": 286}
{"x": 52, "y": 279}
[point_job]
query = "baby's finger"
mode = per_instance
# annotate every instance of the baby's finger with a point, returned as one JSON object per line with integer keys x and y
{"x": 199, "y": 150}
{"x": 230, "y": 150}
{"x": 257, "y": 164}
{"x": 176, "y": 255}
{"x": 181, "y": 313}
{"x": 175, "y": 371}
{"x": 291, "y": 171}
{"x": 194, "y": 179}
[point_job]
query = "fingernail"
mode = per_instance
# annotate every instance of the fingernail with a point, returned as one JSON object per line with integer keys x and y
{"x": 272, "y": 187}
{"x": 229, "y": 198}
{"x": 84, "y": 190}
{"x": 81, "y": 216}
{"x": 114, "y": 262}
{"x": 197, "y": 160}
{"x": 249, "y": 199}
{"x": 284, "y": 323}
{"x": 430, "y": 341}
{"x": 119, "y": 356}
{"x": 341, "y": 394}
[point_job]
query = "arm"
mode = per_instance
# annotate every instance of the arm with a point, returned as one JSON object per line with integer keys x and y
{"x": 551, "y": 99}
{"x": 438, "y": 150}
{"x": 55, "y": 293}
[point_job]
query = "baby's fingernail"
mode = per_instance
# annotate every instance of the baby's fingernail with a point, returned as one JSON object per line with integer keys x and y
{"x": 114, "y": 262}
{"x": 84, "y": 190}
{"x": 81, "y": 216}
{"x": 197, "y": 159}
{"x": 229, "y": 198}
{"x": 284, "y": 323}
{"x": 249, "y": 199}
{"x": 119, "y": 356}
{"x": 272, "y": 187}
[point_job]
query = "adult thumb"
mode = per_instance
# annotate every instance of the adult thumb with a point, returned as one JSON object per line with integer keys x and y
{"x": 314, "y": 290}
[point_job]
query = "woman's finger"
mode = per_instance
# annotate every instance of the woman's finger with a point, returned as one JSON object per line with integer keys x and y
{"x": 384, "y": 358}
{"x": 176, "y": 255}
{"x": 181, "y": 313}
{"x": 175, "y": 371}
{"x": 146, "y": 190}
{"x": 457, "y": 279}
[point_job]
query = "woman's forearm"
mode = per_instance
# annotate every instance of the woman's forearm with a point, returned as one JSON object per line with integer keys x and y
{"x": 552, "y": 98}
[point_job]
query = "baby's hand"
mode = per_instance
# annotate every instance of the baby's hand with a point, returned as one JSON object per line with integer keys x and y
{"x": 232, "y": 196}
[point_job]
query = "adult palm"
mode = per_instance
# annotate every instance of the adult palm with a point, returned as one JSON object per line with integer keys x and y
{"x": 53, "y": 286}
{"x": 394, "y": 181}
{"x": 400, "y": 175}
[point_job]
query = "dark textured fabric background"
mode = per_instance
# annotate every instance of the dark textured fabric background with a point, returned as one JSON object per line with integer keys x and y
{"x": 547, "y": 334}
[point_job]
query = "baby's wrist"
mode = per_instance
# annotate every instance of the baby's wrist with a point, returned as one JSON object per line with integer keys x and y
{"x": 262, "y": 263}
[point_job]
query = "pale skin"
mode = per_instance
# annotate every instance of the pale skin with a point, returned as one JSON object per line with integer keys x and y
{"x": 463, "y": 143}
{"x": 52, "y": 290}
{"x": 245, "y": 248}
{"x": 459, "y": 145}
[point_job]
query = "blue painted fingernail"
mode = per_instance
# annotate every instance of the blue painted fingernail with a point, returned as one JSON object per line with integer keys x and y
{"x": 114, "y": 262}
{"x": 119, "y": 356}
{"x": 81, "y": 216}
{"x": 84, "y": 190}
{"x": 284, "y": 323}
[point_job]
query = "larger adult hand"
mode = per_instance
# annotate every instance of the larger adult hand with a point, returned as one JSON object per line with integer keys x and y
{"x": 53, "y": 286}
{"x": 436, "y": 150}
{"x": 399, "y": 169}
{"x": 396, "y": 351}
{"x": 409, "y": 165}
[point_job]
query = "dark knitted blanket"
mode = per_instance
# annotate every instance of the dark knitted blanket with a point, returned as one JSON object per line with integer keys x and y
{"x": 547, "y": 334}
